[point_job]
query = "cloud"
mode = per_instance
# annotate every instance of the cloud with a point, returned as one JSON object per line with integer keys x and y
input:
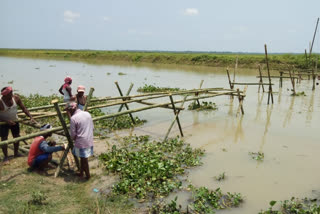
{"x": 191, "y": 12}
{"x": 106, "y": 18}
{"x": 70, "y": 16}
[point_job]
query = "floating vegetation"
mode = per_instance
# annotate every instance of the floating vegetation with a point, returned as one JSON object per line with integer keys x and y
{"x": 204, "y": 106}
{"x": 294, "y": 206}
{"x": 299, "y": 94}
{"x": 120, "y": 74}
{"x": 120, "y": 122}
{"x": 151, "y": 88}
{"x": 259, "y": 156}
{"x": 149, "y": 169}
{"x": 52, "y": 65}
{"x": 10, "y": 82}
{"x": 220, "y": 177}
{"x": 108, "y": 73}
{"x": 203, "y": 201}
{"x": 35, "y": 100}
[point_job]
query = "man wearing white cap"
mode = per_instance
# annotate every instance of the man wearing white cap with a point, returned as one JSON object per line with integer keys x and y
{"x": 81, "y": 99}
{"x": 40, "y": 152}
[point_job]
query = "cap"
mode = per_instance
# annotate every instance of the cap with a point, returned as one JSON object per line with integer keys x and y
{"x": 81, "y": 88}
{"x": 45, "y": 127}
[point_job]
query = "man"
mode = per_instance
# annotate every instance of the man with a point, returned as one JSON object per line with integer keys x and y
{"x": 40, "y": 152}
{"x": 8, "y": 113}
{"x": 81, "y": 129}
{"x": 65, "y": 90}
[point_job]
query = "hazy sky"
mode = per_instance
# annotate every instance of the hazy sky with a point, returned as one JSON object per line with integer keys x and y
{"x": 174, "y": 25}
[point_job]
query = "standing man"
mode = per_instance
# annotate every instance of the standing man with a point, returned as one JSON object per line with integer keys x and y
{"x": 8, "y": 113}
{"x": 41, "y": 150}
{"x": 81, "y": 128}
{"x": 65, "y": 90}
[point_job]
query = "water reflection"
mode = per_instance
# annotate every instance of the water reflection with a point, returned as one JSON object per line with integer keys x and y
{"x": 310, "y": 109}
{"x": 266, "y": 128}
{"x": 289, "y": 113}
{"x": 239, "y": 134}
{"x": 258, "y": 111}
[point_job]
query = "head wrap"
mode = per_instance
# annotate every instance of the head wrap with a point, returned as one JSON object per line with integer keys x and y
{"x": 45, "y": 127}
{"x": 6, "y": 91}
{"x": 81, "y": 88}
{"x": 71, "y": 106}
{"x": 67, "y": 79}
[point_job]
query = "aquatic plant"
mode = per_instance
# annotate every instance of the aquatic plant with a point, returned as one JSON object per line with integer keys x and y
{"x": 151, "y": 88}
{"x": 121, "y": 74}
{"x": 259, "y": 156}
{"x": 294, "y": 206}
{"x": 220, "y": 177}
{"x": 149, "y": 168}
{"x": 204, "y": 106}
{"x": 299, "y": 94}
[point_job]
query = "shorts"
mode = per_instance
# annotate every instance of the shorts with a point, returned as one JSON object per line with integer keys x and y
{"x": 83, "y": 153}
{"x": 4, "y": 130}
{"x": 40, "y": 159}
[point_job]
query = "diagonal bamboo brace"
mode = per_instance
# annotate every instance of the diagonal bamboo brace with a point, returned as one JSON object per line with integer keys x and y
{"x": 128, "y": 92}
{"x": 176, "y": 113}
{"x": 70, "y": 142}
{"x": 125, "y": 104}
{"x": 88, "y": 99}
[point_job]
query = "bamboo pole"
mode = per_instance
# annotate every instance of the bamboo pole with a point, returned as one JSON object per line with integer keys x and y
{"x": 270, "y": 86}
{"x": 283, "y": 77}
{"x": 292, "y": 82}
{"x": 120, "y": 108}
{"x": 70, "y": 142}
{"x": 176, "y": 114}
{"x": 261, "y": 81}
{"x": 240, "y": 98}
{"x": 174, "y": 120}
{"x": 231, "y": 85}
{"x": 305, "y": 53}
{"x": 88, "y": 99}
{"x": 280, "y": 82}
{"x": 313, "y": 81}
{"x": 314, "y": 36}
{"x": 251, "y": 83}
{"x": 235, "y": 70}
{"x": 196, "y": 94}
{"x": 167, "y": 107}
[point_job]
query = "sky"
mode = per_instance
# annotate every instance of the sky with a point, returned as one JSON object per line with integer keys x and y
{"x": 286, "y": 26}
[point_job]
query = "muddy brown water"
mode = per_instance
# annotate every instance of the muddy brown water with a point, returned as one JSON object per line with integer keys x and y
{"x": 287, "y": 132}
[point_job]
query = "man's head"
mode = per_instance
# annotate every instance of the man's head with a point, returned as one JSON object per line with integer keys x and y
{"x": 68, "y": 80}
{"x": 71, "y": 107}
{"x": 81, "y": 90}
{"x": 44, "y": 128}
{"x": 6, "y": 92}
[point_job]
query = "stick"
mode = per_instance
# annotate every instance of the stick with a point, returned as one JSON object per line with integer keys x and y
{"x": 126, "y": 105}
{"x": 176, "y": 113}
{"x": 128, "y": 92}
{"x": 270, "y": 86}
{"x": 70, "y": 142}
{"x": 261, "y": 81}
{"x": 174, "y": 120}
{"x": 235, "y": 70}
{"x": 196, "y": 94}
{"x": 88, "y": 99}
{"x": 241, "y": 97}
{"x": 292, "y": 82}
{"x": 231, "y": 85}
{"x": 314, "y": 35}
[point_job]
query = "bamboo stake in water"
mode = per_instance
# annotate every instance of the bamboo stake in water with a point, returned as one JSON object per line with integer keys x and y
{"x": 314, "y": 36}
{"x": 231, "y": 85}
{"x": 281, "y": 73}
{"x": 270, "y": 86}
{"x": 196, "y": 94}
{"x": 88, "y": 99}
{"x": 174, "y": 120}
{"x": 261, "y": 81}
{"x": 235, "y": 70}
{"x": 175, "y": 113}
{"x": 126, "y": 105}
{"x": 292, "y": 82}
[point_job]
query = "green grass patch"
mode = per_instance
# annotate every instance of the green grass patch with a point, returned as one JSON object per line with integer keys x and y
{"x": 204, "y": 106}
{"x": 151, "y": 88}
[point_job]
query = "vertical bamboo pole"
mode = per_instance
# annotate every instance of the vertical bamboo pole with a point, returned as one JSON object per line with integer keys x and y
{"x": 270, "y": 86}
{"x": 261, "y": 80}
{"x": 240, "y": 98}
{"x": 125, "y": 104}
{"x": 231, "y": 85}
{"x": 235, "y": 70}
{"x": 306, "y": 55}
{"x": 175, "y": 113}
{"x": 174, "y": 120}
{"x": 280, "y": 83}
{"x": 127, "y": 94}
{"x": 313, "y": 80}
{"x": 292, "y": 82}
{"x": 88, "y": 99}
{"x": 70, "y": 142}
{"x": 197, "y": 93}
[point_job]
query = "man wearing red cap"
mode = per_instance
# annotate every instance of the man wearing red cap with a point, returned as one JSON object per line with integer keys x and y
{"x": 65, "y": 90}
{"x": 8, "y": 113}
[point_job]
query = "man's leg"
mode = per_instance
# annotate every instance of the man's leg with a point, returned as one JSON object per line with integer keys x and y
{"x": 44, "y": 163}
{"x": 85, "y": 167}
{"x": 82, "y": 164}
{"x": 41, "y": 161}
{"x": 15, "y": 130}
{"x": 4, "y": 132}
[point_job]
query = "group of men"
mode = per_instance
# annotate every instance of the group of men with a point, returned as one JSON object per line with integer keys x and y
{"x": 40, "y": 153}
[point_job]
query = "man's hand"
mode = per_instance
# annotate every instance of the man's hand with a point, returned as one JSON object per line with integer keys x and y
{"x": 11, "y": 122}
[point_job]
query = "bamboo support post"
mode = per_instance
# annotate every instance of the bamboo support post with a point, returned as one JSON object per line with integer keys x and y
{"x": 70, "y": 142}
{"x": 174, "y": 120}
{"x": 314, "y": 36}
{"x": 126, "y": 105}
{"x": 260, "y": 81}
{"x": 196, "y": 94}
{"x": 293, "y": 85}
{"x": 313, "y": 75}
{"x": 280, "y": 82}
{"x": 88, "y": 99}
{"x": 120, "y": 108}
{"x": 176, "y": 114}
{"x": 305, "y": 53}
{"x": 270, "y": 94}
{"x": 235, "y": 70}
{"x": 240, "y": 98}
{"x": 231, "y": 85}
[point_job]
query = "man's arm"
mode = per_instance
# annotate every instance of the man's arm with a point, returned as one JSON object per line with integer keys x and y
{"x": 73, "y": 129}
{"x": 23, "y": 108}
{"x": 49, "y": 149}
{"x": 60, "y": 90}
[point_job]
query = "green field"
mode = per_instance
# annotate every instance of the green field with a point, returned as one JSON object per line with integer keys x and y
{"x": 276, "y": 61}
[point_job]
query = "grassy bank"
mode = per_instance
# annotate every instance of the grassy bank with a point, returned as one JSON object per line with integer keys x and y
{"x": 276, "y": 61}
